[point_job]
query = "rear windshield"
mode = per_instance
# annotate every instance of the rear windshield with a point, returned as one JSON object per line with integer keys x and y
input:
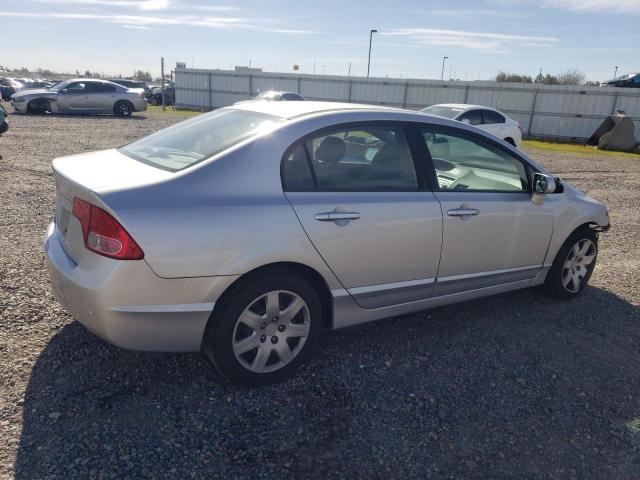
{"x": 448, "y": 112}
{"x": 199, "y": 138}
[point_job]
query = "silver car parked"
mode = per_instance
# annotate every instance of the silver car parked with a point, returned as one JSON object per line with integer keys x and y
{"x": 246, "y": 231}
{"x": 80, "y": 96}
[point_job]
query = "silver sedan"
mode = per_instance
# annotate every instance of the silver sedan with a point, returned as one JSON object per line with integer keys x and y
{"x": 82, "y": 95}
{"x": 246, "y": 231}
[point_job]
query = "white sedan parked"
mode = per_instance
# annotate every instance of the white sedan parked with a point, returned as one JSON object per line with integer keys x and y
{"x": 486, "y": 118}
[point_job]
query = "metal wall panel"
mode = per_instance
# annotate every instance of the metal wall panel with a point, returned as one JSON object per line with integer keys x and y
{"x": 561, "y": 111}
{"x": 260, "y": 84}
{"x": 422, "y": 96}
{"x": 315, "y": 89}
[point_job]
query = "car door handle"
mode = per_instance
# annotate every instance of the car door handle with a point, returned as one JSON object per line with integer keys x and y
{"x": 333, "y": 216}
{"x": 460, "y": 212}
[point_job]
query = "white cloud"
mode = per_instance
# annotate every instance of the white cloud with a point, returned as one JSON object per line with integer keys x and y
{"x": 480, "y": 41}
{"x": 597, "y": 6}
{"x": 141, "y": 5}
{"x": 148, "y": 21}
{"x": 477, "y": 12}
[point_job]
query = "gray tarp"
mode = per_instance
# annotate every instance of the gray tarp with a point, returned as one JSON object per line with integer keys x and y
{"x": 615, "y": 133}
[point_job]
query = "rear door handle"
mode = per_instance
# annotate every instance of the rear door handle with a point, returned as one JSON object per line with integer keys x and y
{"x": 333, "y": 216}
{"x": 461, "y": 212}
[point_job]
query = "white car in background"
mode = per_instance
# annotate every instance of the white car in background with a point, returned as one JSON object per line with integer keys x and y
{"x": 486, "y": 118}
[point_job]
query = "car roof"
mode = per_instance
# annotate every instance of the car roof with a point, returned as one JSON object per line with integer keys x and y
{"x": 297, "y": 109}
{"x": 463, "y": 106}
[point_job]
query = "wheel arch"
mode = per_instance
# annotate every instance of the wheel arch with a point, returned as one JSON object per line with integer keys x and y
{"x": 589, "y": 225}
{"x": 309, "y": 273}
{"x": 39, "y": 99}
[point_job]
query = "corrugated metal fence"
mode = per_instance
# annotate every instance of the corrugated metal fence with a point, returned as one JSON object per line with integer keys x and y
{"x": 546, "y": 111}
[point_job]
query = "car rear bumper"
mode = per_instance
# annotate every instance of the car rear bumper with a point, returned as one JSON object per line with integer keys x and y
{"x": 128, "y": 305}
{"x": 140, "y": 105}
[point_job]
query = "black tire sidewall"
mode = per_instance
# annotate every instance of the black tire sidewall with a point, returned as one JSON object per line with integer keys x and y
{"x": 118, "y": 113}
{"x": 553, "y": 284}
{"x": 217, "y": 342}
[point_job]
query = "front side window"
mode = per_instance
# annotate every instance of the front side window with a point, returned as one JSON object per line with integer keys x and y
{"x": 77, "y": 87}
{"x": 194, "y": 140}
{"x": 362, "y": 158}
{"x": 468, "y": 163}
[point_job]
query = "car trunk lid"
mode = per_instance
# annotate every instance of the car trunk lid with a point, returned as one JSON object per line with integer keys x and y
{"x": 90, "y": 177}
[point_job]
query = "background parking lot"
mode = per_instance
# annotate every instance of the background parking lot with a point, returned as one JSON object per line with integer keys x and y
{"x": 511, "y": 386}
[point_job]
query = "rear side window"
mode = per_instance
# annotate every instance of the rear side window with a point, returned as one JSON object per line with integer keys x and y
{"x": 199, "y": 138}
{"x": 297, "y": 174}
{"x": 357, "y": 159}
{"x": 489, "y": 116}
{"x": 474, "y": 117}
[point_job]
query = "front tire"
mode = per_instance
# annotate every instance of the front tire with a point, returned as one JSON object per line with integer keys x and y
{"x": 38, "y": 106}
{"x": 123, "y": 108}
{"x": 573, "y": 265}
{"x": 264, "y": 329}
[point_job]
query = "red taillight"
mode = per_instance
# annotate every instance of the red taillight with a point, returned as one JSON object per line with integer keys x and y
{"x": 103, "y": 234}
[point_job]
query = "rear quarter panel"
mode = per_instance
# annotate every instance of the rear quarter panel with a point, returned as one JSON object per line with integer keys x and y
{"x": 224, "y": 218}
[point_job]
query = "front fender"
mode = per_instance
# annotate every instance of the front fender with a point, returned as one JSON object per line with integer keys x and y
{"x": 574, "y": 209}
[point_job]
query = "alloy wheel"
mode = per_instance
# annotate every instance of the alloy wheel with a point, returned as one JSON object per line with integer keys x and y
{"x": 271, "y": 331}
{"x": 577, "y": 264}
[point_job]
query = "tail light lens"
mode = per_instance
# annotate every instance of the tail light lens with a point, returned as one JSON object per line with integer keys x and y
{"x": 103, "y": 234}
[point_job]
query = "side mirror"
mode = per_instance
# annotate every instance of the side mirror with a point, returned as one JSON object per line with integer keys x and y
{"x": 543, "y": 183}
{"x": 467, "y": 121}
{"x": 64, "y": 90}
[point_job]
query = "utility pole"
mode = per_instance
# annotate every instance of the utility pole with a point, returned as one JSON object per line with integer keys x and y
{"x": 371, "y": 32}
{"x": 442, "y": 73}
{"x": 349, "y": 74}
{"x": 615, "y": 72}
{"x": 162, "y": 80}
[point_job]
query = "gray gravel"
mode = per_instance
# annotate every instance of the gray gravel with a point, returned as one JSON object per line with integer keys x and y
{"x": 513, "y": 386}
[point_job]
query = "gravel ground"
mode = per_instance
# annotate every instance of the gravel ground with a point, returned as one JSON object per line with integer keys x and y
{"x": 513, "y": 386}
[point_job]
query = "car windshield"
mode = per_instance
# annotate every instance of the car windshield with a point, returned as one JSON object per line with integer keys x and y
{"x": 60, "y": 86}
{"x": 197, "y": 139}
{"x": 267, "y": 96}
{"x": 442, "y": 111}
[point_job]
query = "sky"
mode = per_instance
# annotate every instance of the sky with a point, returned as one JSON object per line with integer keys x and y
{"x": 479, "y": 37}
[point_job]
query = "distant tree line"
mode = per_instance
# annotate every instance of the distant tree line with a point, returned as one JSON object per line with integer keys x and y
{"x": 569, "y": 77}
{"x": 45, "y": 73}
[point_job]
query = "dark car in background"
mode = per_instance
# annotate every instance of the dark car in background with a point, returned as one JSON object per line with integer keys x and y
{"x": 9, "y": 86}
{"x": 630, "y": 80}
{"x": 37, "y": 84}
{"x": 169, "y": 95}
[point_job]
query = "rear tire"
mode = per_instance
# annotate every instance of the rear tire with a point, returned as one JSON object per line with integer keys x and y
{"x": 573, "y": 265}
{"x": 123, "y": 108}
{"x": 510, "y": 141}
{"x": 264, "y": 329}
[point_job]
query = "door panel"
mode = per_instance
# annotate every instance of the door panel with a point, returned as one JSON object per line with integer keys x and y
{"x": 492, "y": 231}
{"x": 505, "y": 241}
{"x": 388, "y": 255}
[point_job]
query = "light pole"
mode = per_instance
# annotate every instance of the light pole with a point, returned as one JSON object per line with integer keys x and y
{"x": 370, "y": 38}
{"x": 615, "y": 72}
{"x": 442, "y": 74}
